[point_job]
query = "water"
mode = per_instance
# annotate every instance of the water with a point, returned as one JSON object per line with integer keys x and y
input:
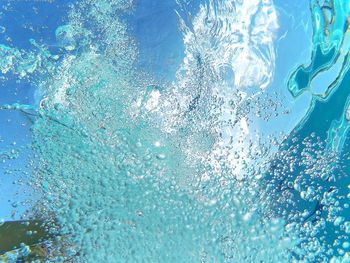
{"x": 196, "y": 131}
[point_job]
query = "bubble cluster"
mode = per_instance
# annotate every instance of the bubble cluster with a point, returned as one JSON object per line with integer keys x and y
{"x": 132, "y": 171}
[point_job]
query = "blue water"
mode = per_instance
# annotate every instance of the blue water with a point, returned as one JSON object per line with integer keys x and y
{"x": 174, "y": 131}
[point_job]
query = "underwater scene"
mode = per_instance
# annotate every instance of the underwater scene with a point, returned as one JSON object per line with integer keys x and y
{"x": 175, "y": 131}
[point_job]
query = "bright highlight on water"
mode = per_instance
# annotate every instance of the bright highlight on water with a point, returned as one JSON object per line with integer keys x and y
{"x": 220, "y": 135}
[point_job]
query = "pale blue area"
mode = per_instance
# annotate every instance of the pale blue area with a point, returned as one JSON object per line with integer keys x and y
{"x": 293, "y": 48}
{"x": 22, "y": 20}
{"x": 159, "y": 40}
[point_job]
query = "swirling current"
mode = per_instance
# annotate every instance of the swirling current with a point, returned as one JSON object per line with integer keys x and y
{"x": 229, "y": 151}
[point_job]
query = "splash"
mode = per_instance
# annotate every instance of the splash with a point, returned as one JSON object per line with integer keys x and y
{"x": 235, "y": 36}
{"x": 132, "y": 171}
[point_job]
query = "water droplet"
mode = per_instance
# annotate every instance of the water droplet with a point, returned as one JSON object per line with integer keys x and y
{"x": 339, "y": 220}
{"x": 346, "y": 245}
{"x": 161, "y": 156}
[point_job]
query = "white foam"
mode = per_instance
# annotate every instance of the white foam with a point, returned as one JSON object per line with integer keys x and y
{"x": 238, "y": 34}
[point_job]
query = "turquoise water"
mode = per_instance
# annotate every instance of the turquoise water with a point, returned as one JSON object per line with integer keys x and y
{"x": 198, "y": 131}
